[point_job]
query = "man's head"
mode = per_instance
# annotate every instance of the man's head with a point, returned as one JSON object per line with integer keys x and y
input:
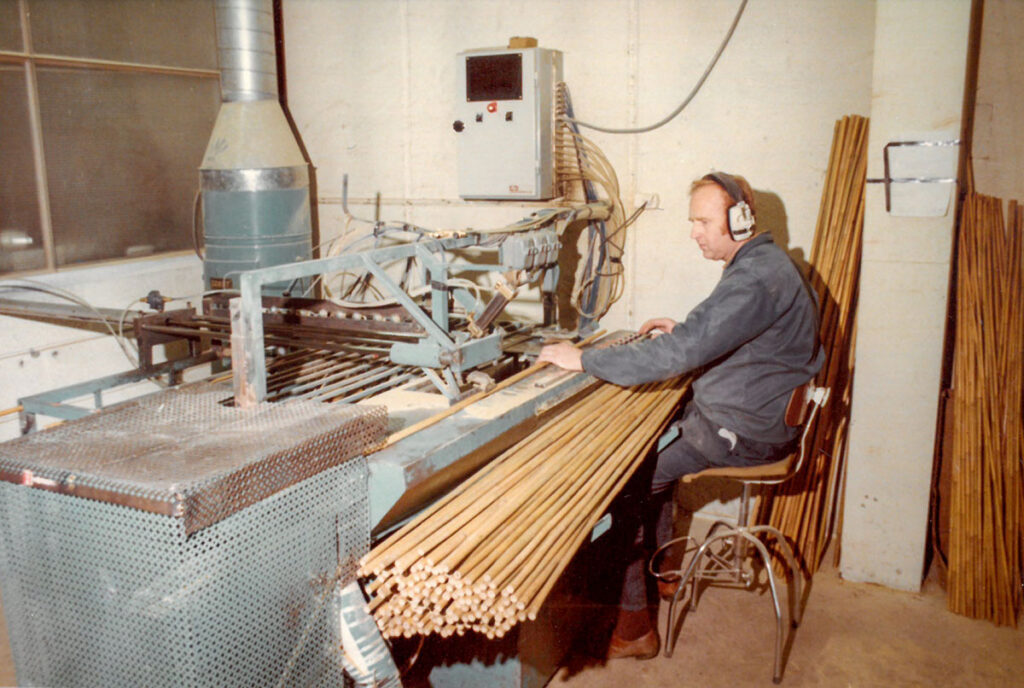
{"x": 711, "y": 197}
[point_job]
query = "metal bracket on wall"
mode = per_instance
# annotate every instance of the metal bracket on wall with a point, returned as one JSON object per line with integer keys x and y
{"x": 888, "y": 179}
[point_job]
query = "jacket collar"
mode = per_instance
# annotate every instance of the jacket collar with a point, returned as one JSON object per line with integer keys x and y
{"x": 758, "y": 240}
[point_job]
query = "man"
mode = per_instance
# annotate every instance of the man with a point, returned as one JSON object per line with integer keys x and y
{"x": 753, "y": 341}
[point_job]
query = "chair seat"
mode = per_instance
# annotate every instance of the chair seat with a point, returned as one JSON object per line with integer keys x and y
{"x": 776, "y": 469}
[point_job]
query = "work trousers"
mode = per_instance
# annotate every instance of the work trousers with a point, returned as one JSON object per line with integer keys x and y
{"x": 701, "y": 444}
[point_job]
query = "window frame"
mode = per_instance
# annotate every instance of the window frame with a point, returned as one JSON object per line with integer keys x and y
{"x": 30, "y": 61}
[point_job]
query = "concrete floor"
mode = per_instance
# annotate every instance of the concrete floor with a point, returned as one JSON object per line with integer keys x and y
{"x": 852, "y": 635}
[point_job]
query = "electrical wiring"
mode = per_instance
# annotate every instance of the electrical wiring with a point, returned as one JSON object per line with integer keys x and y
{"x": 540, "y": 218}
{"x": 23, "y": 284}
{"x": 580, "y": 163}
{"x": 577, "y": 160}
{"x": 619, "y": 285}
{"x": 120, "y": 330}
{"x": 465, "y": 283}
{"x": 419, "y": 291}
{"x": 693, "y": 92}
{"x": 195, "y": 223}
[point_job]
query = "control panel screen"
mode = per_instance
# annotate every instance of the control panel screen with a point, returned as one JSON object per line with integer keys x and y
{"x": 494, "y": 77}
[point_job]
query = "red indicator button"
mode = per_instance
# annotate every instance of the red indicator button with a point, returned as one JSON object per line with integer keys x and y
{"x": 492, "y": 107}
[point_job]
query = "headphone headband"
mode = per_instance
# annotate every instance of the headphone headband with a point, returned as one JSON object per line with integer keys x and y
{"x": 728, "y": 183}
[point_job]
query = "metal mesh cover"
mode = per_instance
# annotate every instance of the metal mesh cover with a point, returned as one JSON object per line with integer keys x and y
{"x": 98, "y": 594}
{"x": 183, "y": 453}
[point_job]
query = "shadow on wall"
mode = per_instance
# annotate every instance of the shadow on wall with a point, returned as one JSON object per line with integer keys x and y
{"x": 771, "y": 214}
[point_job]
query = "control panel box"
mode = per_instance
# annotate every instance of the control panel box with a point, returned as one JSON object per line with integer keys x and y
{"x": 505, "y": 123}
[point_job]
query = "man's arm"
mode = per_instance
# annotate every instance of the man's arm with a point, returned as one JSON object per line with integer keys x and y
{"x": 735, "y": 312}
{"x": 567, "y": 356}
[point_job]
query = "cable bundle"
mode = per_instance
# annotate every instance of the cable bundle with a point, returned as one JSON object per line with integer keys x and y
{"x": 805, "y": 507}
{"x": 485, "y": 557}
{"x": 579, "y": 161}
{"x": 986, "y": 500}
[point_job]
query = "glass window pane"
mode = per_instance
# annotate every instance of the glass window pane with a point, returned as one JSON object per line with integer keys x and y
{"x": 163, "y": 32}
{"x": 122, "y": 157}
{"x": 10, "y": 26}
{"x": 21, "y": 240}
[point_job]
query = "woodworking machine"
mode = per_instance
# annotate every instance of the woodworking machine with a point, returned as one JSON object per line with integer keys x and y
{"x": 122, "y": 525}
{"x": 207, "y": 533}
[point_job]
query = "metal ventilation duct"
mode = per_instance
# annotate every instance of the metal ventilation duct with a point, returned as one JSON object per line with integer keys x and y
{"x": 254, "y": 178}
{"x": 245, "y": 50}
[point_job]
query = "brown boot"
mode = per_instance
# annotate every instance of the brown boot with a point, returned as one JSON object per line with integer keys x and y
{"x": 644, "y": 647}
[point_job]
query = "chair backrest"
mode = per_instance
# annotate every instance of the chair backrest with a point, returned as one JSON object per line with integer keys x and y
{"x": 803, "y": 407}
{"x": 798, "y": 406}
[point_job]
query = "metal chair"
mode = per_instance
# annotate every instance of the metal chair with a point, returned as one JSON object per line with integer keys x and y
{"x": 720, "y": 558}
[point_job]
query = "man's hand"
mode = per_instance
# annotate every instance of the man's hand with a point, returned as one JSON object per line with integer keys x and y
{"x": 564, "y": 355}
{"x": 659, "y": 326}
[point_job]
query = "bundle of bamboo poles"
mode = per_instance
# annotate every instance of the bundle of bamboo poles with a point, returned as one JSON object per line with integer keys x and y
{"x": 485, "y": 557}
{"x": 806, "y": 507}
{"x": 986, "y": 516}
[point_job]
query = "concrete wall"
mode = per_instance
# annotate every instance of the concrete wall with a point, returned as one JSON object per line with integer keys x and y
{"x": 919, "y": 74}
{"x": 999, "y": 108}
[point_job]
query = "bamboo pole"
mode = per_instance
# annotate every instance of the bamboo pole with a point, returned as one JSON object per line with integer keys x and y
{"x": 806, "y": 509}
{"x": 984, "y": 562}
{"x": 12, "y": 410}
{"x": 484, "y": 558}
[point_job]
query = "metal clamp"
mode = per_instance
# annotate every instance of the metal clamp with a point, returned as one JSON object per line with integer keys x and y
{"x": 888, "y": 179}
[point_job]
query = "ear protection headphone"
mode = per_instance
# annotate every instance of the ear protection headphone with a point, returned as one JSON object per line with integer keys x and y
{"x": 740, "y": 217}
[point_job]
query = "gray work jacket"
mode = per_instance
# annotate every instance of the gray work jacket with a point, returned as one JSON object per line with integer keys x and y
{"x": 757, "y": 335}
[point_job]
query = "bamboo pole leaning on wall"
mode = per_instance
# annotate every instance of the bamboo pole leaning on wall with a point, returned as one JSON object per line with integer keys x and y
{"x": 986, "y": 517}
{"x": 484, "y": 557}
{"x": 806, "y": 507}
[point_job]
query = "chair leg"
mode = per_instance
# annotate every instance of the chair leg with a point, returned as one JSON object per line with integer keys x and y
{"x": 730, "y": 560}
{"x": 686, "y": 577}
{"x": 796, "y": 574}
{"x": 716, "y": 525}
{"x": 763, "y": 551}
{"x": 695, "y": 568}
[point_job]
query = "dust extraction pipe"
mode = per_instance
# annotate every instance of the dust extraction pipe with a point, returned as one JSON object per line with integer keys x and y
{"x": 254, "y": 179}
{"x": 245, "y": 50}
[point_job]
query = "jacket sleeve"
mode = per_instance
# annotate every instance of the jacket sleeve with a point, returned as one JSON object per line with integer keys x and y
{"x": 735, "y": 312}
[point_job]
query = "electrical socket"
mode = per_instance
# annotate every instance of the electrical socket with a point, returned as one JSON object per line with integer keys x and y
{"x": 653, "y": 200}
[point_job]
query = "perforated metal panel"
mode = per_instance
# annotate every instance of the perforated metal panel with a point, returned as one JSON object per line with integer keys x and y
{"x": 98, "y": 593}
{"x": 185, "y": 453}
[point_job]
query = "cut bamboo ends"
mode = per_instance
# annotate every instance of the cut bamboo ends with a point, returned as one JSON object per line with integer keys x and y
{"x": 485, "y": 557}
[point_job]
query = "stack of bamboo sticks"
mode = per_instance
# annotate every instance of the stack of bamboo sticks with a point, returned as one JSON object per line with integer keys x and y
{"x": 986, "y": 502}
{"x": 807, "y": 507}
{"x": 485, "y": 557}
